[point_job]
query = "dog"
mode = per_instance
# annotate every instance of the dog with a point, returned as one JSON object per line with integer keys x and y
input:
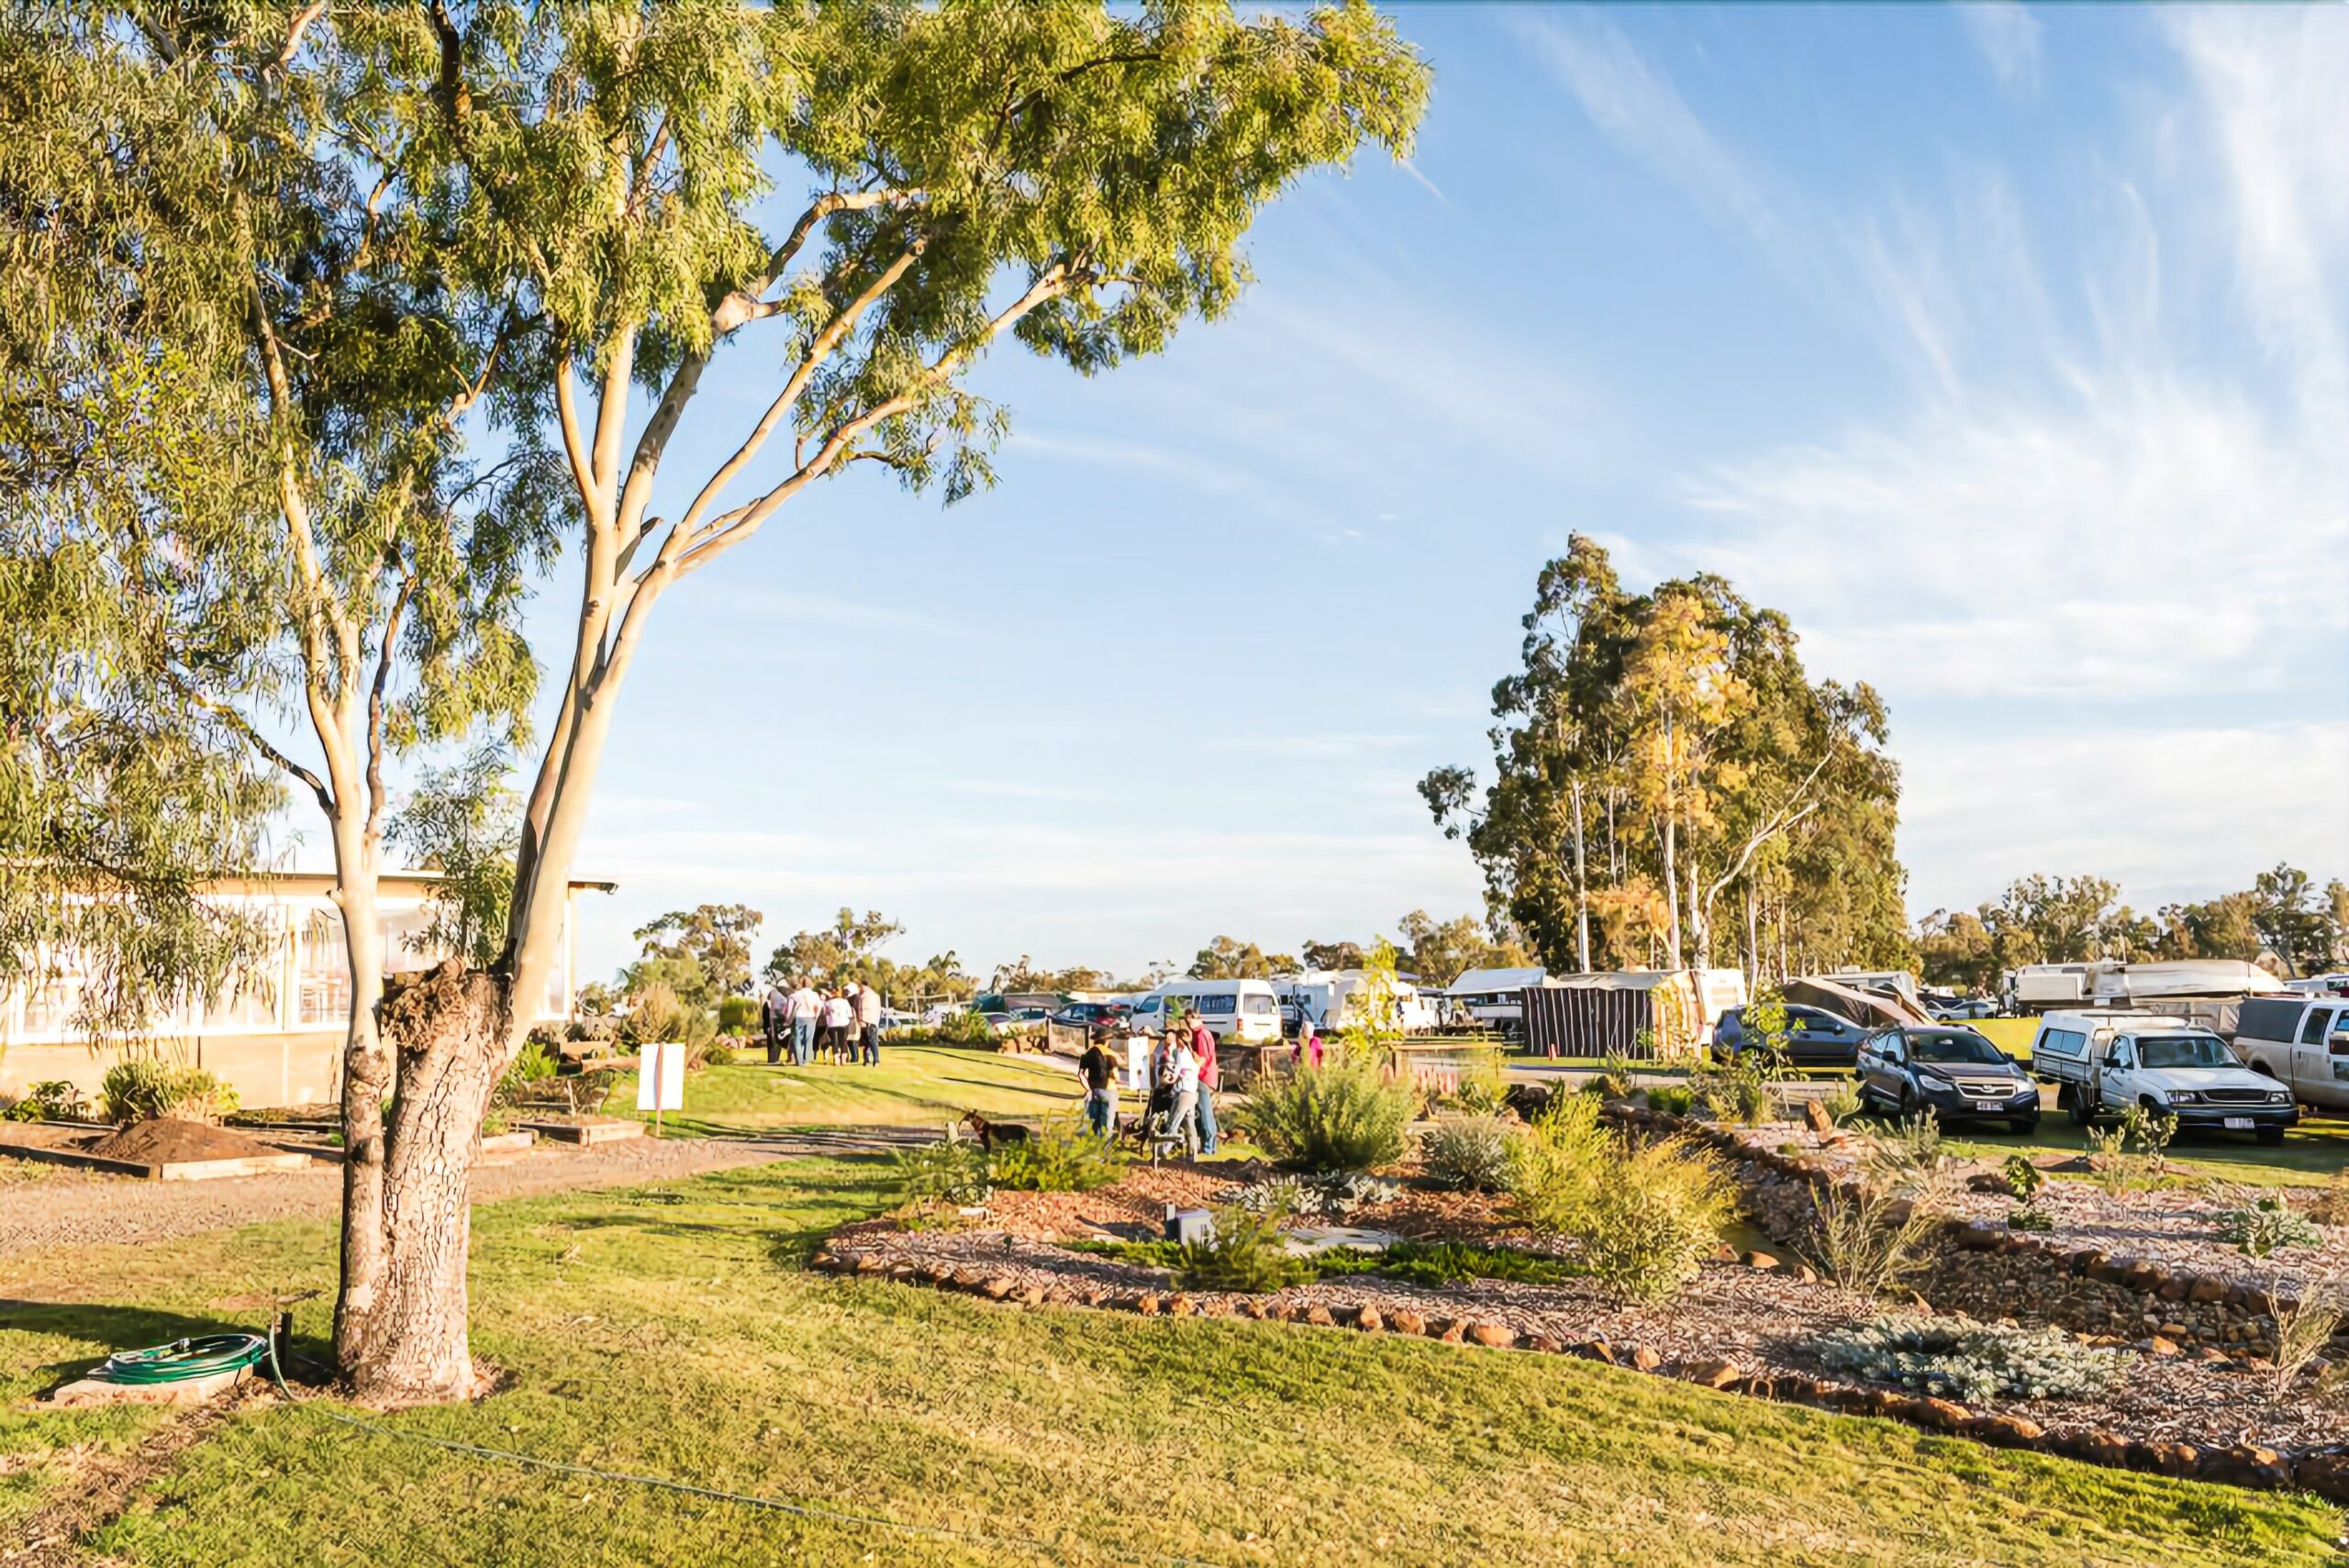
{"x": 993, "y": 1134}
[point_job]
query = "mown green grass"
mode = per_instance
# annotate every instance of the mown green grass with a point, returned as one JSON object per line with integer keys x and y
{"x": 2309, "y": 1155}
{"x": 673, "y": 1331}
{"x": 928, "y": 1084}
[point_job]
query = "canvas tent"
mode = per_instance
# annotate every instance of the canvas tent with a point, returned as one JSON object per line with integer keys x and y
{"x": 1877, "y": 1010}
{"x": 1592, "y": 1015}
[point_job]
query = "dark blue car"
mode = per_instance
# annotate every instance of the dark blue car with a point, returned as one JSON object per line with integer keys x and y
{"x": 1815, "y": 1036}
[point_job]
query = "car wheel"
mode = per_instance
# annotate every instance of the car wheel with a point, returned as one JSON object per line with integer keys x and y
{"x": 2077, "y": 1103}
{"x": 2270, "y": 1137}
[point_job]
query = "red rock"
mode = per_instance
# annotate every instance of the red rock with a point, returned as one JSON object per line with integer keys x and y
{"x": 1370, "y": 1320}
{"x": 1711, "y": 1373}
{"x": 1599, "y": 1349}
{"x": 2160, "y": 1344}
{"x": 2205, "y": 1288}
{"x": 2244, "y": 1464}
{"x": 1645, "y": 1357}
{"x": 2326, "y": 1475}
{"x": 1407, "y": 1321}
{"x": 1492, "y": 1336}
{"x": 1033, "y": 1296}
{"x": 1146, "y": 1304}
{"x": 1318, "y": 1314}
{"x": 998, "y": 1287}
{"x": 1758, "y": 1260}
{"x": 2168, "y": 1458}
{"x": 1180, "y": 1305}
{"x": 1943, "y": 1414}
{"x": 2004, "y": 1432}
{"x": 869, "y": 1263}
{"x": 1454, "y": 1333}
{"x": 1545, "y": 1344}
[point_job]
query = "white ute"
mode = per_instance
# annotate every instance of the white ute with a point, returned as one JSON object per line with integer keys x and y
{"x": 2103, "y": 1063}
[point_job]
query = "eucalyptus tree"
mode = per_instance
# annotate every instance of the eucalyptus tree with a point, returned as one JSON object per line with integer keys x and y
{"x": 211, "y": 204}
{"x": 401, "y": 221}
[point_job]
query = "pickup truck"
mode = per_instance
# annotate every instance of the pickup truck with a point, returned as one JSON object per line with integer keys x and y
{"x": 2302, "y": 1042}
{"x": 2102, "y": 1063}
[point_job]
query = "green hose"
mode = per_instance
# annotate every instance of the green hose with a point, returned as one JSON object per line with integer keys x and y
{"x": 184, "y": 1361}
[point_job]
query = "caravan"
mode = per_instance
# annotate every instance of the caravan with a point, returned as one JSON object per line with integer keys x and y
{"x": 1331, "y": 996}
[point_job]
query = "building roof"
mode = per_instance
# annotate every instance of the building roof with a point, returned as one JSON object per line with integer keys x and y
{"x": 318, "y": 884}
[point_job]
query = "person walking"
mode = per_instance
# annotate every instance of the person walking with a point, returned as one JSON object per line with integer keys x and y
{"x": 1203, "y": 1050}
{"x": 776, "y": 1013}
{"x": 1100, "y": 1072}
{"x": 805, "y": 1008}
{"x": 1307, "y": 1053}
{"x": 868, "y": 1023}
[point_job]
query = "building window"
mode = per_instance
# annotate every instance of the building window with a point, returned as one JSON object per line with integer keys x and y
{"x": 322, "y": 975}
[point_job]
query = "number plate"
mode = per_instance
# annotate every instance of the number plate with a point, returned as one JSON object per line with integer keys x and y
{"x": 2238, "y": 1124}
{"x": 1988, "y": 1106}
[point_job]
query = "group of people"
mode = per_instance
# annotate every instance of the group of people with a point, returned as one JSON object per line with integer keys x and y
{"x": 843, "y": 1027}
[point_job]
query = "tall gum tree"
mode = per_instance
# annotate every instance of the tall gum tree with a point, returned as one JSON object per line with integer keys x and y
{"x": 1071, "y": 178}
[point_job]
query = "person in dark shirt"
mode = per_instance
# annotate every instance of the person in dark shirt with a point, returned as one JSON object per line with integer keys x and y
{"x": 1100, "y": 1086}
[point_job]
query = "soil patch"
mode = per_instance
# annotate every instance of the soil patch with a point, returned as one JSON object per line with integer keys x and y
{"x": 167, "y": 1140}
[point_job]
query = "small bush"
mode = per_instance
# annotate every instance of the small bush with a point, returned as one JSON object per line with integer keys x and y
{"x": 1957, "y": 1358}
{"x": 1062, "y": 1158}
{"x": 1646, "y": 1230}
{"x": 1244, "y": 1252}
{"x": 1841, "y": 1103}
{"x": 2268, "y": 1226}
{"x": 1859, "y": 1239}
{"x": 2023, "y": 1178}
{"x": 1739, "y": 1091}
{"x": 593, "y": 1032}
{"x": 51, "y": 1099}
{"x": 738, "y": 1015}
{"x": 964, "y": 1028}
{"x": 1483, "y": 1090}
{"x": 719, "y": 1053}
{"x": 1332, "y": 1194}
{"x": 1670, "y": 1099}
{"x": 1554, "y": 1165}
{"x": 954, "y": 1170}
{"x": 2030, "y": 1216}
{"x": 2304, "y": 1327}
{"x": 1453, "y": 1263}
{"x": 144, "y": 1087}
{"x": 1467, "y": 1153}
{"x": 1346, "y": 1115}
{"x": 655, "y": 1018}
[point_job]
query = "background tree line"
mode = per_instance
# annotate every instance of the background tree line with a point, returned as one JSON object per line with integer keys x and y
{"x": 2283, "y": 918}
{"x": 1669, "y": 787}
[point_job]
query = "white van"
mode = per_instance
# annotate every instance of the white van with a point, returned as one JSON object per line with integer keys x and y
{"x": 1246, "y": 1010}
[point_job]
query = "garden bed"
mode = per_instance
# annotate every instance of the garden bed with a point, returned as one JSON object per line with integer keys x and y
{"x": 158, "y": 1150}
{"x": 1750, "y": 1326}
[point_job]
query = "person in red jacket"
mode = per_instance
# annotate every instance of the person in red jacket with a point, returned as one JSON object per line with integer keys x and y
{"x": 1202, "y": 1047}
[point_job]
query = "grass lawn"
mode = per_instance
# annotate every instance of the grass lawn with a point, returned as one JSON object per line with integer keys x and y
{"x": 672, "y": 1332}
{"x": 928, "y": 1084}
{"x": 2311, "y": 1154}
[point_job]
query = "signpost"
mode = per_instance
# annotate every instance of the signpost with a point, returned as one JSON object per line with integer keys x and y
{"x": 661, "y": 1080}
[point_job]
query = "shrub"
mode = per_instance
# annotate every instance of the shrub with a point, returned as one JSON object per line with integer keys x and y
{"x": 593, "y": 1032}
{"x": 2303, "y": 1328}
{"x": 51, "y": 1099}
{"x": 1483, "y": 1090}
{"x": 2023, "y": 1178}
{"x": 964, "y": 1028}
{"x": 1467, "y": 1153}
{"x": 2268, "y": 1226}
{"x": 738, "y": 1015}
{"x": 1646, "y": 1229}
{"x": 1841, "y": 1103}
{"x": 1957, "y": 1358}
{"x": 953, "y": 1170}
{"x": 1062, "y": 1158}
{"x": 1554, "y": 1165}
{"x": 1332, "y": 1194}
{"x": 1860, "y": 1239}
{"x": 655, "y": 1016}
{"x": 1244, "y": 1252}
{"x": 1451, "y": 1262}
{"x": 1346, "y": 1115}
{"x": 1906, "y": 1161}
{"x": 1670, "y": 1099}
{"x": 719, "y": 1053}
{"x": 2030, "y": 1216}
{"x": 144, "y": 1087}
{"x": 1739, "y": 1091}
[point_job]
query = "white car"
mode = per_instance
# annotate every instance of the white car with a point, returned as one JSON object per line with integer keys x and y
{"x": 2189, "y": 1075}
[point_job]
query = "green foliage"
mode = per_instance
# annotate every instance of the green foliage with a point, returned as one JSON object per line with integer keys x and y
{"x": 1646, "y": 1230}
{"x": 145, "y": 1087}
{"x": 1063, "y": 1157}
{"x": 2030, "y": 1216}
{"x": 1228, "y": 958}
{"x": 1738, "y": 1090}
{"x": 1690, "y": 705}
{"x": 1244, "y": 1251}
{"x": 466, "y": 823}
{"x": 1765, "y": 1025}
{"x": 2023, "y": 1178}
{"x": 2268, "y": 1226}
{"x": 1349, "y": 1114}
{"x": 51, "y": 1099}
{"x": 1467, "y": 1153}
{"x": 716, "y": 937}
{"x": 1483, "y": 1089}
{"x": 1453, "y": 1263}
{"x": 964, "y": 1028}
{"x": 1670, "y": 1099}
{"x": 1841, "y": 1102}
{"x": 1373, "y": 1020}
{"x": 739, "y": 1015}
{"x": 1957, "y": 1358}
{"x": 1327, "y": 1195}
{"x": 1555, "y": 1164}
{"x": 1865, "y": 1238}
{"x": 954, "y": 1171}
{"x": 656, "y": 1015}
{"x": 718, "y": 1053}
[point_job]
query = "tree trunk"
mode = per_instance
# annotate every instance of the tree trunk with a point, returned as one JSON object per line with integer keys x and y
{"x": 1672, "y": 886}
{"x": 1582, "y": 892}
{"x": 449, "y": 1032}
{"x": 1753, "y": 943}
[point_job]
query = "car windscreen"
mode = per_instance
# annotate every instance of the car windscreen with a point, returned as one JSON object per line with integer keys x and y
{"x": 2186, "y": 1051}
{"x": 1961, "y": 1047}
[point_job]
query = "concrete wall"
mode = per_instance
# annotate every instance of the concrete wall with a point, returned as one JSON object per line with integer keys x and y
{"x": 264, "y": 1068}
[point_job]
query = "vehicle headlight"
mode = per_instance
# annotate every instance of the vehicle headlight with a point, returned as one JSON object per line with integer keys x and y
{"x": 1928, "y": 1079}
{"x": 2185, "y": 1097}
{"x": 2279, "y": 1096}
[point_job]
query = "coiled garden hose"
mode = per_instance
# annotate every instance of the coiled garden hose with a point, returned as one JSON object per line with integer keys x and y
{"x": 184, "y": 1361}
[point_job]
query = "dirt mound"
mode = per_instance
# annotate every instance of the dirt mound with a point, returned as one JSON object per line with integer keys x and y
{"x": 164, "y": 1140}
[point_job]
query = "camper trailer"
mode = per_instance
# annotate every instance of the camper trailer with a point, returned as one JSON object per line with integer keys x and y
{"x": 1330, "y": 997}
{"x": 1495, "y": 997}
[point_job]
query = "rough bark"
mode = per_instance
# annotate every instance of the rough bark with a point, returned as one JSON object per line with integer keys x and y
{"x": 448, "y": 1034}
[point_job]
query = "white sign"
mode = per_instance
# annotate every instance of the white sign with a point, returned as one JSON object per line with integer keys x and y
{"x": 660, "y": 1078}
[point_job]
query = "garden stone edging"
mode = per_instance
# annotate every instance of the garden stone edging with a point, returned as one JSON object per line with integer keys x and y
{"x": 2324, "y": 1473}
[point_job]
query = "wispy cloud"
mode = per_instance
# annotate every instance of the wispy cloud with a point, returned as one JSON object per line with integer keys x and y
{"x": 2008, "y": 37}
{"x": 801, "y": 608}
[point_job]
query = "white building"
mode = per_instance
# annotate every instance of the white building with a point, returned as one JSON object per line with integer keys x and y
{"x": 277, "y": 1038}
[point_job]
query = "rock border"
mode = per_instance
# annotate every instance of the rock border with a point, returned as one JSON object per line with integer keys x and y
{"x": 2322, "y": 1472}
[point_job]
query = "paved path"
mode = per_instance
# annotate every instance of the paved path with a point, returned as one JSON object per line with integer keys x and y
{"x": 43, "y": 1206}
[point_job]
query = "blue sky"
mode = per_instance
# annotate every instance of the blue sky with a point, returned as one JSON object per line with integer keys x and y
{"x": 2003, "y": 348}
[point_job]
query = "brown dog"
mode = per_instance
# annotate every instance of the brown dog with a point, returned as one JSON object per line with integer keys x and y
{"x": 991, "y": 1134}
